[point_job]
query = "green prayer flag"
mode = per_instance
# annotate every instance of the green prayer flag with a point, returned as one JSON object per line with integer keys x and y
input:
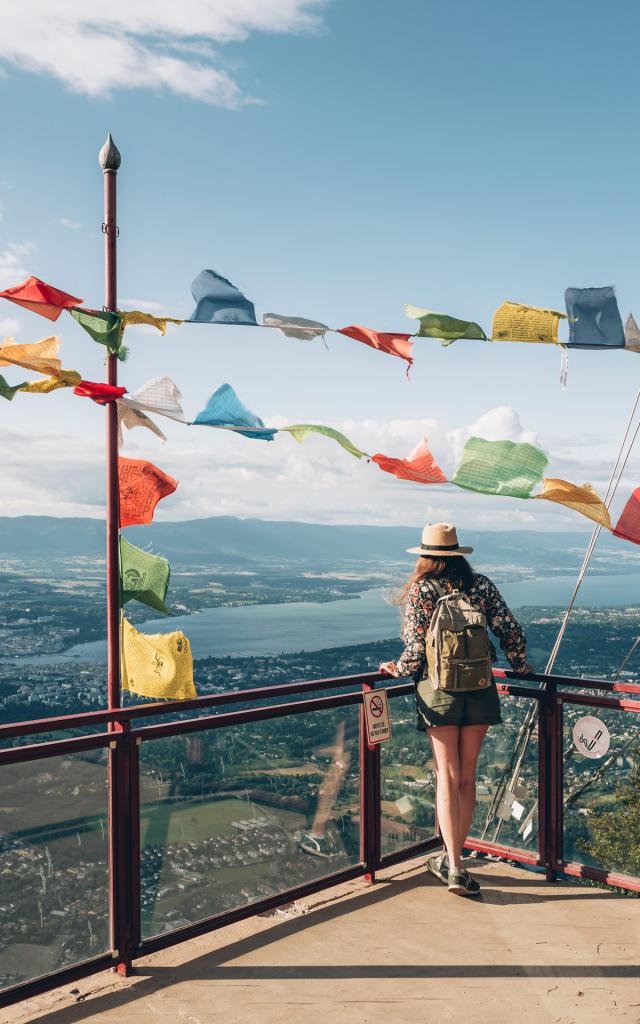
{"x": 500, "y": 467}
{"x": 446, "y": 328}
{"x": 300, "y": 431}
{"x": 8, "y": 390}
{"x": 104, "y": 327}
{"x": 143, "y": 577}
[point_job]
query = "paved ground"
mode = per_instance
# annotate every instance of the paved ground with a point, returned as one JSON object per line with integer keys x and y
{"x": 404, "y": 950}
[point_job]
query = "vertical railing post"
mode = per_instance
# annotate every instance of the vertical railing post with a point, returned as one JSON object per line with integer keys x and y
{"x": 552, "y": 792}
{"x": 370, "y": 811}
{"x": 123, "y": 752}
{"x": 544, "y": 783}
{"x": 109, "y": 159}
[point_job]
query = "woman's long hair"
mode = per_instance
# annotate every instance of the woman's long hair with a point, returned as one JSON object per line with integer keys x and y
{"x": 457, "y": 570}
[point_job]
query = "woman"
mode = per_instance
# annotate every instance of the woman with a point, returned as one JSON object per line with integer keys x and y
{"x": 456, "y": 722}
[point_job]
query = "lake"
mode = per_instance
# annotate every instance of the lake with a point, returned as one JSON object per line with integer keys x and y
{"x": 286, "y": 628}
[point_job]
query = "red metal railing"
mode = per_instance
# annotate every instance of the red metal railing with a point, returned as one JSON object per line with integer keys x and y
{"x": 123, "y": 736}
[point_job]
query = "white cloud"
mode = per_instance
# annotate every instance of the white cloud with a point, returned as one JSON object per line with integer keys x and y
{"x": 71, "y": 225}
{"x": 12, "y": 269}
{"x": 9, "y": 326}
{"x": 316, "y": 481}
{"x": 98, "y": 46}
{"x": 145, "y": 305}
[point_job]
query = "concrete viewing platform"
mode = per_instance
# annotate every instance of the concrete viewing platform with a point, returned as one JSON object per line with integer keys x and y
{"x": 405, "y": 950}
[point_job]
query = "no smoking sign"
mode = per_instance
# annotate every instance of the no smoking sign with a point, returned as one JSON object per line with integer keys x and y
{"x": 376, "y": 715}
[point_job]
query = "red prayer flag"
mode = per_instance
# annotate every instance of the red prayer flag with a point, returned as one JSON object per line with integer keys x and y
{"x": 101, "y": 393}
{"x": 628, "y": 525}
{"x": 142, "y": 485}
{"x": 40, "y": 297}
{"x": 420, "y": 466}
{"x": 394, "y": 344}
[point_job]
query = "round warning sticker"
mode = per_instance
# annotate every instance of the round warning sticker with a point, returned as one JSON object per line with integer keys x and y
{"x": 591, "y": 736}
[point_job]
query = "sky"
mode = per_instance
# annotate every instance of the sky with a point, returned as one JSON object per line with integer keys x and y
{"x": 336, "y": 160}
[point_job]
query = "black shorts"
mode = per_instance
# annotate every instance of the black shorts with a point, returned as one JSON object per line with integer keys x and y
{"x": 446, "y": 707}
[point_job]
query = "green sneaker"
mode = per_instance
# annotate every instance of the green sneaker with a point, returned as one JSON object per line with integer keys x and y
{"x": 461, "y": 883}
{"x": 439, "y": 866}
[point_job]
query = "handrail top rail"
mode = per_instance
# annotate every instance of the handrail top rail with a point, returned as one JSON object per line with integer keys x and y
{"x": 125, "y": 715}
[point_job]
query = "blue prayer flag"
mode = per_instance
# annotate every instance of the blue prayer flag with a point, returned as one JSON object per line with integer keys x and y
{"x": 594, "y": 318}
{"x": 224, "y": 409}
{"x": 220, "y": 302}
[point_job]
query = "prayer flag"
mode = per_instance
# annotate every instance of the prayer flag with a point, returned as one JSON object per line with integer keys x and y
{"x": 104, "y": 327}
{"x": 394, "y": 344}
{"x": 224, "y": 409}
{"x": 631, "y": 334}
{"x": 7, "y": 390}
{"x": 160, "y": 396}
{"x": 419, "y": 466}
{"x": 296, "y": 326}
{"x": 41, "y": 298}
{"x": 628, "y": 525}
{"x": 300, "y": 431}
{"x": 157, "y": 664}
{"x": 143, "y": 577}
{"x": 514, "y": 322}
{"x": 133, "y": 317}
{"x": 500, "y": 467}
{"x": 581, "y": 498}
{"x": 220, "y": 302}
{"x": 129, "y": 418}
{"x": 446, "y": 328}
{"x": 40, "y": 356}
{"x": 63, "y": 379}
{"x": 594, "y": 318}
{"x": 142, "y": 486}
{"x": 100, "y": 393}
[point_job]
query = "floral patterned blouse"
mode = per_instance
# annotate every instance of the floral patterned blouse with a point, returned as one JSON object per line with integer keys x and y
{"x": 484, "y": 595}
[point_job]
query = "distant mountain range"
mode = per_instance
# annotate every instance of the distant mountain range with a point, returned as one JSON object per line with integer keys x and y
{"x": 230, "y": 541}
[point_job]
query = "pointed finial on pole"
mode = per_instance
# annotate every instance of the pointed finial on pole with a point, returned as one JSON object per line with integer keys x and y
{"x": 109, "y": 156}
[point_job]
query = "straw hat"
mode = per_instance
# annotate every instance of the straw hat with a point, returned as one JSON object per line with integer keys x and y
{"x": 439, "y": 540}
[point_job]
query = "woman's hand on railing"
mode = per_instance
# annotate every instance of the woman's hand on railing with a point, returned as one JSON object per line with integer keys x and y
{"x": 526, "y": 671}
{"x": 389, "y": 668}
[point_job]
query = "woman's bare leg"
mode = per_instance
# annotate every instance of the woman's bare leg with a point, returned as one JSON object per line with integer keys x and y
{"x": 469, "y": 744}
{"x": 444, "y": 741}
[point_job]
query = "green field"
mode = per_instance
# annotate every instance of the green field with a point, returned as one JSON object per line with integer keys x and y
{"x": 195, "y": 820}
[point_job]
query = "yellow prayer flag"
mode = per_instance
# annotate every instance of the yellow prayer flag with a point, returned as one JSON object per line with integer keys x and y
{"x": 157, "y": 664}
{"x": 130, "y": 317}
{"x": 581, "y": 498}
{"x": 39, "y": 356}
{"x": 514, "y": 322}
{"x": 64, "y": 379}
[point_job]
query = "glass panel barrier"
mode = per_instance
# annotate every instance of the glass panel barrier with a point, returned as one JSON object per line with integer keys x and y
{"x": 237, "y": 814}
{"x": 602, "y": 793}
{"x": 53, "y": 864}
{"x": 407, "y": 783}
{"x": 515, "y": 821}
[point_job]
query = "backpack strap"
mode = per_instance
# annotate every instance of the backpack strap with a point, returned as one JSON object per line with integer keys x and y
{"x": 439, "y": 589}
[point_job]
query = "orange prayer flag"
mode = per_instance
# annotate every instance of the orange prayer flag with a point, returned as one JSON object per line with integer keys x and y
{"x": 394, "y": 344}
{"x": 142, "y": 485}
{"x": 628, "y": 525}
{"x": 420, "y": 466}
{"x": 40, "y": 297}
{"x": 39, "y": 356}
{"x": 581, "y": 498}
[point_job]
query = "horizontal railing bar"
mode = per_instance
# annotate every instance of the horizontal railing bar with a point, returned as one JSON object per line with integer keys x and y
{"x": 89, "y": 718}
{"x": 509, "y": 852}
{"x": 534, "y": 692}
{"x": 600, "y": 875}
{"x": 35, "y": 987}
{"x": 615, "y": 703}
{"x": 586, "y": 684}
{"x": 53, "y": 748}
{"x": 210, "y": 924}
{"x": 410, "y": 852}
{"x": 298, "y": 707}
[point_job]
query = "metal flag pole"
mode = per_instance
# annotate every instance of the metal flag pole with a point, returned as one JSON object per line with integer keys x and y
{"x": 117, "y": 765}
{"x": 109, "y": 159}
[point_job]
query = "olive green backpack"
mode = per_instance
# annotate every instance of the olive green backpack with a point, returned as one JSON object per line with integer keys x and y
{"x": 457, "y": 644}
